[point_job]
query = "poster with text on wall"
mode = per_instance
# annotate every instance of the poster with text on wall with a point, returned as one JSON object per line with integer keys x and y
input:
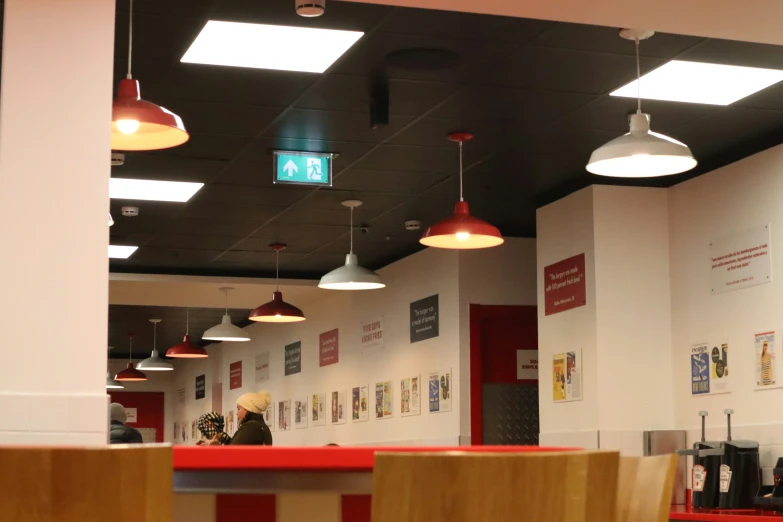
{"x": 262, "y": 367}
{"x": 565, "y": 285}
{"x": 384, "y": 400}
{"x": 424, "y": 319}
{"x": 768, "y": 371}
{"x": 201, "y": 386}
{"x": 283, "y": 415}
{"x": 300, "y": 413}
{"x": 567, "y": 376}
{"x": 371, "y": 335}
{"x": 269, "y": 415}
{"x": 318, "y": 407}
{"x": 235, "y": 375}
{"x": 440, "y": 390}
{"x": 339, "y": 410}
{"x": 329, "y": 348}
{"x": 360, "y": 403}
{"x": 293, "y": 358}
{"x": 740, "y": 259}
{"x": 410, "y": 396}
{"x": 709, "y": 368}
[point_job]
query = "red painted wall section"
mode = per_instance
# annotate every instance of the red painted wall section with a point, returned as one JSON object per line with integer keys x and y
{"x": 245, "y": 508}
{"x": 356, "y": 508}
{"x": 496, "y": 333}
{"x": 149, "y": 408}
{"x": 501, "y": 337}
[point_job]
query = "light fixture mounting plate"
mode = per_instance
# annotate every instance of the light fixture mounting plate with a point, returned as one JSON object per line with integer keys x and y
{"x": 278, "y": 247}
{"x": 460, "y": 136}
{"x": 634, "y": 34}
{"x": 156, "y": 321}
{"x": 352, "y": 203}
{"x": 226, "y": 288}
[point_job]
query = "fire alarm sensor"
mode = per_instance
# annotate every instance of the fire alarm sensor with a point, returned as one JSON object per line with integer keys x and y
{"x": 413, "y": 224}
{"x": 130, "y": 211}
{"x": 310, "y": 8}
{"x": 117, "y": 159}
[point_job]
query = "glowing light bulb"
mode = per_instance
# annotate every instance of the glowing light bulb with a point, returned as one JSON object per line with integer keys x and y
{"x": 128, "y": 126}
{"x": 278, "y": 315}
{"x": 463, "y": 236}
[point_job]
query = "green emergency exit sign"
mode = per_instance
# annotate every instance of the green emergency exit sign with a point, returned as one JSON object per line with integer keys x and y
{"x": 303, "y": 168}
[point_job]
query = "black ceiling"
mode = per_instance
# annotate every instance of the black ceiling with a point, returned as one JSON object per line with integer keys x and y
{"x": 124, "y": 320}
{"x": 533, "y": 92}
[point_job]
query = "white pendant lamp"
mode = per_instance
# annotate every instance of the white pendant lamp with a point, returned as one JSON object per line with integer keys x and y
{"x": 226, "y": 331}
{"x": 111, "y": 384}
{"x": 154, "y": 363}
{"x": 351, "y": 276}
{"x": 111, "y": 221}
{"x": 640, "y": 153}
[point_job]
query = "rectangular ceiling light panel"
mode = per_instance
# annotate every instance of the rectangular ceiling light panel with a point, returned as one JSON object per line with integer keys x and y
{"x": 696, "y": 82}
{"x": 277, "y": 47}
{"x": 121, "y": 252}
{"x": 151, "y": 190}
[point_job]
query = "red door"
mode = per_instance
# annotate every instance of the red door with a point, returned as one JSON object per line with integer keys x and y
{"x": 149, "y": 410}
{"x": 504, "y": 409}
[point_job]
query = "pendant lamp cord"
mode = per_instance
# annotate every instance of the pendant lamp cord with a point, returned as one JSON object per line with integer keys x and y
{"x": 226, "y": 291}
{"x": 130, "y": 354}
{"x": 130, "y": 36}
{"x": 460, "y": 171}
{"x": 277, "y": 270}
{"x": 638, "y": 79}
{"x": 154, "y": 336}
{"x": 351, "y": 230}
{"x": 187, "y": 322}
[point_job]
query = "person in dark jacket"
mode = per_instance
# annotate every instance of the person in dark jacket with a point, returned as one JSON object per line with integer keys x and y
{"x": 250, "y": 413}
{"x": 119, "y": 433}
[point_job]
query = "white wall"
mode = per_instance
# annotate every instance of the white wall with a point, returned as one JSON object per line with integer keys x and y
{"x": 505, "y": 275}
{"x": 734, "y": 198}
{"x": 565, "y": 229}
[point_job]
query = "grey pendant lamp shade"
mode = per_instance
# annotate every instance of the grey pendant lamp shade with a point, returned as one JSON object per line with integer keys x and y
{"x": 226, "y": 331}
{"x": 154, "y": 363}
{"x": 351, "y": 276}
{"x": 641, "y": 153}
{"x": 111, "y": 384}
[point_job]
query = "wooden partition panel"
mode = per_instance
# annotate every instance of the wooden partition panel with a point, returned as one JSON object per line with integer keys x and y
{"x": 117, "y": 484}
{"x": 471, "y": 487}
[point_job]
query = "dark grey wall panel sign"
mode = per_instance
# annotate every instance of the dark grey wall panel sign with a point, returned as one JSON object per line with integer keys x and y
{"x": 201, "y": 386}
{"x": 425, "y": 319}
{"x": 293, "y": 358}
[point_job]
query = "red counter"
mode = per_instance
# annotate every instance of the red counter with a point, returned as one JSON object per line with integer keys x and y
{"x": 717, "y": 515}
{"x": 291, "y": 484}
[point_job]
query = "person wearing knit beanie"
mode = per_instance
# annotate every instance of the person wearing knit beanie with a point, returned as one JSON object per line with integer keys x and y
{"x": 119, "y": 433}
{"x": 252, "y": 427}
{"x": 254, "y": 402}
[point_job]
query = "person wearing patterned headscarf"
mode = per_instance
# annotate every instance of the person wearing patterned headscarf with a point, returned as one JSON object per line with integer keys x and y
{"x": 211, "y": 427}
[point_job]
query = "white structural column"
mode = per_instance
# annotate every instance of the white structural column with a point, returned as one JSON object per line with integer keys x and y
{"x": 623, "y": 332}
{"x": 55, "y": 114}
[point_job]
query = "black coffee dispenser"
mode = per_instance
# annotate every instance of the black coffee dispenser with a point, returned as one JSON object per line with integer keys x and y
{"x": 740, "y": 473}
{"x": 706, "y": 468}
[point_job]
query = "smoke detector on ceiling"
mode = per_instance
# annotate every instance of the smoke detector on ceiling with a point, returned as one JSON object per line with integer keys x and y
{"x": 130, "y": 211}
{"x": 310, "y": 8}
{"x": 413, "y": 224}
{"x": 117, "y": 159}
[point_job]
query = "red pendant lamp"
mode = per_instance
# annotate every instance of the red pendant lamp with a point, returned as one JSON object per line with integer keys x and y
{"x": 137, "y": 124}
{"x": 130, "y": 374}
{"x": 186, "y": 349}
{"x": 461, "y": 231}
{"x": 277, "y": 310}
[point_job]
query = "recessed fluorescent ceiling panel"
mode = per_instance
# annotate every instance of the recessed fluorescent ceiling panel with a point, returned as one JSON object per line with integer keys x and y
{"x": 269, "y": 46}
{"x": 121, "y": 252}
{"x": 150, "y": 190}
{"x": 696, "y": 82}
